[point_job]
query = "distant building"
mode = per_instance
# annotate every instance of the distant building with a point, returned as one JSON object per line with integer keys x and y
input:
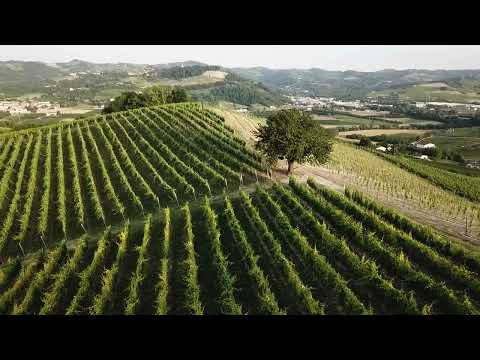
{"x": 426, "y": 146}
{"x": 424, "y": 157}
{"x": 382, "y": 148}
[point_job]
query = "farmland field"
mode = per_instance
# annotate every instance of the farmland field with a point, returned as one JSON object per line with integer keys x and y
{"x": 464, "y": 141}
{"x": 164, "y": 210}
{"x": 391, "y": 184}
{"x": 433, "y": 92}
{"x": 463, "y": 185}
{"x": 451, "y": 166}
{"x": 284, "y": 250}
{"x": 82, "y": 175}
{"x": 406, "y": 121}
{"x": 375, "y": 132}
{"x": 341, "y": 120}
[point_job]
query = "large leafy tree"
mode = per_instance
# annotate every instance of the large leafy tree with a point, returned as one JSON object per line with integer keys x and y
{"x": 293, "y": 134}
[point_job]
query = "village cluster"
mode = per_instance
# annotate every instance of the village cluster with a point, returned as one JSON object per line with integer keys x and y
{"x": 307, "y": 103}
{"x": 30, "y": 106}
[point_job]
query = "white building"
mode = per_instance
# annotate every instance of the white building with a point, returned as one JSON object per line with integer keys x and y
{"x": 426, "y": 146}
{"x": 424, "y": 157}
{"x": 382, "y": 148}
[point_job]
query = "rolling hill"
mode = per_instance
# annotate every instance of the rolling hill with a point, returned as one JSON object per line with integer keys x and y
{"x": 353, "y": 84}
{"x": 79, "y": 81}
{"x": 164, "y": 210}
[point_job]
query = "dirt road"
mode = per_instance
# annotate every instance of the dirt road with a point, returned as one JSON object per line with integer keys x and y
{"x": 244, "y": 125}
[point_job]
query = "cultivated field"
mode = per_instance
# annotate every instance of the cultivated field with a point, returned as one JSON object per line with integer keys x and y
{"x": 392, "y": 186}
{"x": 341, "y": 120}
{"x": 374, "y": 132}
{"x": 62, "y": 180}
{"x": 284, "y": 250}
{"x": 164, "y": 210}
{"x": 463, "y": 141}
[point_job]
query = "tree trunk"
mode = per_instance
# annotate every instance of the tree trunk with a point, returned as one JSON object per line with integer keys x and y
{"x": 290, "y": 166}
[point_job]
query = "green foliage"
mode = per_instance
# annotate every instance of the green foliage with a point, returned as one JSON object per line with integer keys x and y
{"x": 223, "y": 280}
{"x": 88, "y": 276}
{"x": 31, "y": 303}
{"x": 300, "y": 296}
{"x": 346, "y": 216}
{"x": 240, "y": 92}
{"x": 163, "y": 278}
{"x": 153, "y": 96}
{"x": 188, "y": 268}
{"x": 365, "y": 141}
{"x": 295, "y": 136}
{"x": 337, "y": 250}
{"x": 135, "y": 286}
{"x": 65, "y": 282}
{"x": 180, "y": 72}
{"x": 265, "y": 298}
{"x": 102, "y": 302}
{"x": 463, "y": 185}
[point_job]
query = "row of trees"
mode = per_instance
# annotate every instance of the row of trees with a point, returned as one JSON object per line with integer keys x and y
{"x": 155, "y": 95}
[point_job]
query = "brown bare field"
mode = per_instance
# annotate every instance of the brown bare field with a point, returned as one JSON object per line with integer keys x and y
{"x": 368, "y": 113}
{"x": 374, "y": 132}
{"x": 76, "y": 110}
{"x": 324, "y": 117}
{"x": 434, "y": 85}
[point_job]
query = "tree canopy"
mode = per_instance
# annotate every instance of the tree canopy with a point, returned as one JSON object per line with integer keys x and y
{"x": 155, "y": 95}
{"x": 295, "y": 136}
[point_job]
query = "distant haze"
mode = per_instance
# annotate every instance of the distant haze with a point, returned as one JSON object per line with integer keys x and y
{"x": 328, "y": 57}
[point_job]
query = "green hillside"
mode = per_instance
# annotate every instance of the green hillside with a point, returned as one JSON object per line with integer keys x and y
{"x": 460, "y": 91}
{"x": 164, "y": 210}
{"x": 77, "y": 82}
{"x": 284, "y": 250}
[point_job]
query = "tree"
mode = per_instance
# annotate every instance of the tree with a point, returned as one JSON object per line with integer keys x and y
{"x": 178, "y": 95}
{"x": 365, "y": 141}
{"x": 155, "y": 95}
{"x": 295, "y": 136}
{"x": 127, "y": 100}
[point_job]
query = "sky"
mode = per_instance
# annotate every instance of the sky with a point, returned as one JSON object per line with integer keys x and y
{"x": 328, "y": 57}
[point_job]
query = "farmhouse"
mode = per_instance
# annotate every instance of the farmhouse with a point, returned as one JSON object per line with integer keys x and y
{"x": 426, "y": 146}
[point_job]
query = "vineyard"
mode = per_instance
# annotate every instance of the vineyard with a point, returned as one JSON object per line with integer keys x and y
{"x": 296, "y": 249}
{"x": 382, "y": 179}
{"x": 164, "y": 210}
{"x": 61, "y": 181}
{"x": 463, "y": 185}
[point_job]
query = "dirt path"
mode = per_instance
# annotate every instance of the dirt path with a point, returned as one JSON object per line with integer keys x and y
{"x": 452, "y": 229}
{"x": 243, "y": 125}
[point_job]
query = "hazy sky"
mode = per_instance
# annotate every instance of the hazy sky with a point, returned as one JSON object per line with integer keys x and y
{"x": 329, "y": 57}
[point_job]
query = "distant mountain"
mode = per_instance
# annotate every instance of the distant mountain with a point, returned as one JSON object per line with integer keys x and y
{"x": 85, "y": 66}
{"x": 348, "y": 83}
{"x": 26, "y": 71}
{"x": 93, "y": 82}
{"x": 242, "y": 85}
